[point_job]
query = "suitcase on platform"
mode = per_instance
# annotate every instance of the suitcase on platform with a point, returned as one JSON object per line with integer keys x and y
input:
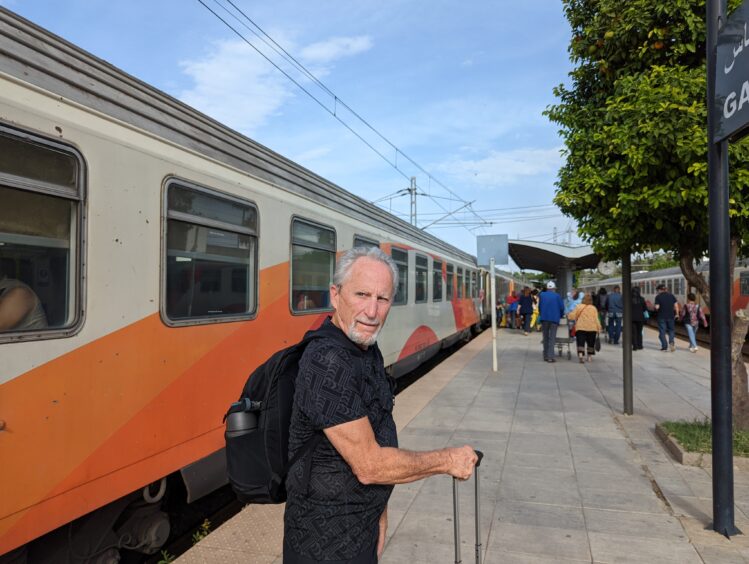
{"x": 456, "y": 513}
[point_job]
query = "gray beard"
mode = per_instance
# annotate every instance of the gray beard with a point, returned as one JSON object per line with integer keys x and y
{"x": 359, "y": 339}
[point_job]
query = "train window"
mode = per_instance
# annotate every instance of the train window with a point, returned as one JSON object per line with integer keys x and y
{"x": 744, "y": 283}
{"x": 670, "y": 285}
{"x": 312, "y": 263}
{"x": 363, "y": 242}
{"x": 211, "y": 256}
{"x": 401, "y": 260}
{"x": 422, "y": 279}
{"x": 474, "y": 285}
{"x": 41, "y": 188}
{"x": 460, "y": 282}
{"x": 449, "y": 282}
{"x": 436, "y": 281}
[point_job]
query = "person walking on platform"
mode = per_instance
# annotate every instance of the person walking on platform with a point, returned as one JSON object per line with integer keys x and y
{"x": 667, "y": 309}
{"x": 639, "y": 309}
{"x": 692, "y": 317}
{"x": 574, "y": 299}
{"x": 512, "y": 309}
{"x": 550, "y": 311}
{"x": 336, "y": 510}
{"x": 601, "y": 301}
{"x": 534, "y": 317}
{"x": 525, "y": 307}
{"x": 587, "y": 327}
{"x": 615, "y": 305}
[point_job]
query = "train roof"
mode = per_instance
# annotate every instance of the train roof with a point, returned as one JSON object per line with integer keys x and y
{"x": 34, "y": 55}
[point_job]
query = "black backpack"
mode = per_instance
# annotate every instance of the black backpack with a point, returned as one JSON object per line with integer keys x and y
{"x": 257, "y": 429}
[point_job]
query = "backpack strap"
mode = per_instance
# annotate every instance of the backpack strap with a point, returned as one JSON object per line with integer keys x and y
{"x": 307, "y": 448}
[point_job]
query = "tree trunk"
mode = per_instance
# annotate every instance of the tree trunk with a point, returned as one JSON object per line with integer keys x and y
{"x": 739, "y": 327}
{"x": 740, "y": 323}
{"x": 695, "y": 279}
{"x": 740, "y": 393}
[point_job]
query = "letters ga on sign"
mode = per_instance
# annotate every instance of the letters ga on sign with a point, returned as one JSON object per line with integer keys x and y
{"x": 731, "y": 104}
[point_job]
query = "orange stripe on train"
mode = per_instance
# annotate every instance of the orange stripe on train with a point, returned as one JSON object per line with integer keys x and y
{"x": 102, "y": 421}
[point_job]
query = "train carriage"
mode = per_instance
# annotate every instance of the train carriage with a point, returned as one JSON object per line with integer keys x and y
{"x": 675, "y": 282}
{"x": 171, "y": 255}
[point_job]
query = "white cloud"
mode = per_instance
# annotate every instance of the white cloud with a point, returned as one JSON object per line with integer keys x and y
{"x": 335, "y": 48}
{"x": 234, "y": 85}
{"x": 311, "y": 155}
{"x": 501, "y": 168}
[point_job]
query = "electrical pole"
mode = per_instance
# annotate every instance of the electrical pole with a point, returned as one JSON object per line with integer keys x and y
{"x": 412, "y": 191}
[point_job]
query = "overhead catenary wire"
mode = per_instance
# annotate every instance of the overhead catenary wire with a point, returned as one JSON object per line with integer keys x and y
{"x": 279, "y": 50}
{"x": 515, "y": 209}
{"x": 336, "y": 100}
{"x": 502, "y": 222}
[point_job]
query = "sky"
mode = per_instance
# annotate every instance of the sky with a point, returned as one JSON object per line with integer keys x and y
{"x": 458, "y": 88}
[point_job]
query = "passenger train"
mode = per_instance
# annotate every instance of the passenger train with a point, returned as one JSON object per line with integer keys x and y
{"x": 171, "y": 255}
{"x": 675, "y": 283}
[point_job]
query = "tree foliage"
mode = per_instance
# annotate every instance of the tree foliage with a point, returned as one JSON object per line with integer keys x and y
{"x": 634, "y": 119}
{"x": 634, "y": 124}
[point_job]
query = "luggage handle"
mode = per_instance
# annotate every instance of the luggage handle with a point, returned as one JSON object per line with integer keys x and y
{"x": 456, "y": 513}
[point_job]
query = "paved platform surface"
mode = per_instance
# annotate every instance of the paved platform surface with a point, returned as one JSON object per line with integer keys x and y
{"x": 566, "y": 477}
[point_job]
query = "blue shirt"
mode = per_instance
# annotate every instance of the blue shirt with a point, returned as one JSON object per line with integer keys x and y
{"x": 573, "y": 303}
{"x": 550, "y": 306}
{"x": 615, "y": 303}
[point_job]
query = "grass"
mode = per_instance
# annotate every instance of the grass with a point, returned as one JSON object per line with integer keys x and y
{"x": 696, "y": 436}
{"x": 202, "y": 532}
{"x": 166, "y": 558}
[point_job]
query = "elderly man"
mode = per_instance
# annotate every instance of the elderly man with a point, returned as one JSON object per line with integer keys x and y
{"x": 339, "y": 514}
{"x": 550, "y": 311}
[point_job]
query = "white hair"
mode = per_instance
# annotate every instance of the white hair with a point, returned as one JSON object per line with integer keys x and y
{"x": 346, "y": 262}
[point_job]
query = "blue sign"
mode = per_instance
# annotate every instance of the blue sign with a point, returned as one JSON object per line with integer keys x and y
{"x": 731, "y": 104}
{"x": 492, "y": 246}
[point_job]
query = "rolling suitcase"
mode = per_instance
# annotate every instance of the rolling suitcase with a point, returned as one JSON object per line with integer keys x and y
{"x": 456, "y": 513}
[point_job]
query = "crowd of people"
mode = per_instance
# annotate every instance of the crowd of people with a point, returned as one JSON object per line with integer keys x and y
{"x": 590, "y": 314}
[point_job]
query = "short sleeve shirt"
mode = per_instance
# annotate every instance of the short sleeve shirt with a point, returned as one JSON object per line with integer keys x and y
{"x": 337, "y": 518}
{"x": 665, "y": 301}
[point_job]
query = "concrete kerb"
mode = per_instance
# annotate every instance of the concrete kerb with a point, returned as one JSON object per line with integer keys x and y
{"x": 700, "y": 459}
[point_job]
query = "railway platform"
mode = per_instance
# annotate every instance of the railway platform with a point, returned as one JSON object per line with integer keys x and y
{"x": 566, "y": 476}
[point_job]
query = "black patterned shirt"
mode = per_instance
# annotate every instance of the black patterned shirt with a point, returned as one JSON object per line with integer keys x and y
{"x": 337, "y": 518}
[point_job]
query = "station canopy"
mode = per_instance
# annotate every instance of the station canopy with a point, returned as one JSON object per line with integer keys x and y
{"x": 552, "y": 258}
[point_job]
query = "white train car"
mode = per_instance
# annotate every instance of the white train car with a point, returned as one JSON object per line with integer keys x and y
{"x": 675, "y": 282}
{"x": 170, "y": 256}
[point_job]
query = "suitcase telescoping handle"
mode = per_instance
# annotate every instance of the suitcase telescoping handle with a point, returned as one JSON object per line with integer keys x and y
{"x": 456, "y": 514}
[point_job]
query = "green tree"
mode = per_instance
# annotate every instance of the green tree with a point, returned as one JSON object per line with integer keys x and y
{"x": 633, "y": 119}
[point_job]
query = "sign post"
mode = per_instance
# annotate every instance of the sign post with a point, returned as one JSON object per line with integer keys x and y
{"x": 489, "y": 248}
{"x": 727, "y": 117}
{"x": 494, "y": 314}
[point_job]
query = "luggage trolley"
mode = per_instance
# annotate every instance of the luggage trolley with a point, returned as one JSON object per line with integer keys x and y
{"x": 567, "y": 342}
